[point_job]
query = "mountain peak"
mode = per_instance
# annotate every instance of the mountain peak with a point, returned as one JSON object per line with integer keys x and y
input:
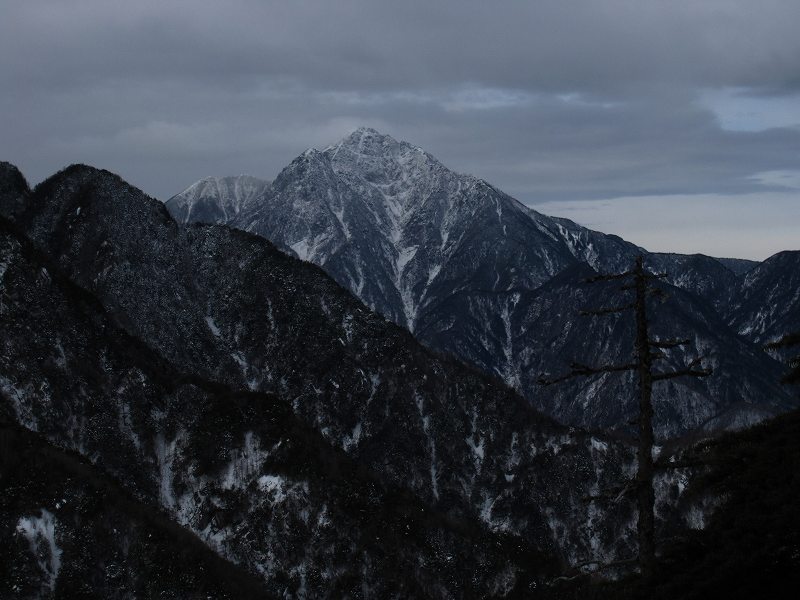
{"x": 381, "y": 159}
{"x": 13, "y": 189}
{"x": 463, "y": 266}
{"x": 361, "y": 137}
{"x": 366, "y": 141}
{"x": 11, "y": 179}
{"x": 367, "y": 133}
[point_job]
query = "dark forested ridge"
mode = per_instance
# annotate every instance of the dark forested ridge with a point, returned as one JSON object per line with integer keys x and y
{"x": 750, "y": 546}
{"x": 258, "y": 486}
{"x": 92, "y": 361}
{"x": 71, "y": 532}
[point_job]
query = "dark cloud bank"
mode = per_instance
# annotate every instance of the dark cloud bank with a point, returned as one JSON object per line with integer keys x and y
{"x": 683, "y": 106}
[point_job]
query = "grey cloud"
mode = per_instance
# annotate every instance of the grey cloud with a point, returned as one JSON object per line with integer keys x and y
{"x": 545, "y": 45}
{"x": 548, "y": 100}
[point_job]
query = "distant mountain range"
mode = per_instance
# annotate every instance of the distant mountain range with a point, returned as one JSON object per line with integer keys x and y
{"x": 474, "y": 273}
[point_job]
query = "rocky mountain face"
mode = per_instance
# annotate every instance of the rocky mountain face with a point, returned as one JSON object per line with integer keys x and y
{"x": 705, "y": 277}
{"x": 474, "y": 273}
{"x": 739, "y": 266}
{"x": 766, "y": 305}
{"x": 264, "y": 409}
{"x": 216, "y": 199}
{"x": 541, "y": 331}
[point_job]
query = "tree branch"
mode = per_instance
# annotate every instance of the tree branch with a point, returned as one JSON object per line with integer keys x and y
{"x": 606, "y": 311}
{"x": 610, "y": 277}
{"x": 681, "y": 464}
{"x": 600, "y": 567}
{"x": 579, "y": 370}
{"x": 632, "y": 286}
{"x": 683, "y": 373}
{"x": 648, "y": 275}
{"x": 792, "y": 339}
{"x": 614, "y": 494}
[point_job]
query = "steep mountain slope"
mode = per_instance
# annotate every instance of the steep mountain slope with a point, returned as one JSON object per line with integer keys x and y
{"x": 450, "y": 257}
{"x": 223, "y": 304}
{"x": 540, "y": 332}
{"x": 70, "y": 532}
{"x": 215, "y": 199}
{"x": 703, "y": 276}
{"x": 373, "y": 205}
{"x": 766, "y": 305}
{"x": 738, "y": 266}
{"x": 257, "y": 486}
{"x": 388, "y": 221}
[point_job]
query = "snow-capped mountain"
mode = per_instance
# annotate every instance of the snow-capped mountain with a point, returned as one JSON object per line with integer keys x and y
{"x": 216, "y": 199}
{"x": 391, "y": 223}
{"x": 400, "y": 230}
{"x": 457, "y": 262}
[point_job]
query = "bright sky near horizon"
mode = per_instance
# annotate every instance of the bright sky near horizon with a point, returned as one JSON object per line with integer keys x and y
{"x": 674, "y": 124}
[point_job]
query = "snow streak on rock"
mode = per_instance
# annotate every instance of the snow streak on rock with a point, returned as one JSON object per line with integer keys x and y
{"x": 40, "y": 531}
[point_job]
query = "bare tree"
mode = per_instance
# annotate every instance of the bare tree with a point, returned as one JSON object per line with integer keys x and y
{"x": 646, "y": 352}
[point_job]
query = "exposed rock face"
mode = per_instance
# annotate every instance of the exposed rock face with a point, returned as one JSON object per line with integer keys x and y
{"x": 766, "y": 305}
{"x": 474, "y": 273}
{"x": 543, "y": 332}
{"x": 216, "y": 199}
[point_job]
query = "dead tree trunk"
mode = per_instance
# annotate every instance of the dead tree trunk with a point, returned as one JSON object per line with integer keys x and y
{"x": 646, "y": 351}
{"x": 644, "y": 472}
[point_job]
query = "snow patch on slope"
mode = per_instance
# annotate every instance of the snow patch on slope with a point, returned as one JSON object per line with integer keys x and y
{"x": 426, "y": 428}
{"x": 41, "y": 535}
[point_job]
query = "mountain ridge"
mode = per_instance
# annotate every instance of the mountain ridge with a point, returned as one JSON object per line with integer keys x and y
{"x": 443, "y": 254}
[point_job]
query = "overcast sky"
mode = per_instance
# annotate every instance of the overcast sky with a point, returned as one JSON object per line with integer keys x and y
{"x": 606, "y": 111}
